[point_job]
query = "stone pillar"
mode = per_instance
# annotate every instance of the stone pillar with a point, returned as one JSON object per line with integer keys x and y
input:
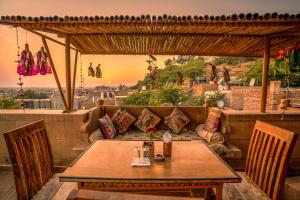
{"x": 275, "y": 96}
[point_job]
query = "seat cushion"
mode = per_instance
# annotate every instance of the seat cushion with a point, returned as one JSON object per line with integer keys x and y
{"x": 177, "y": 120}
{"x": 246, "y": 190}
{"x": 49, "y": 190}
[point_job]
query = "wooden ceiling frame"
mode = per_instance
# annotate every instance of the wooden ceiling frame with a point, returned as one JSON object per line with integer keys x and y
{"x": 243, "y": 35}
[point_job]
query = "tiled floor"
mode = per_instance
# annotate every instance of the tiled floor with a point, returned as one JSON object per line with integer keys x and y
{"x": 7, "y": 186}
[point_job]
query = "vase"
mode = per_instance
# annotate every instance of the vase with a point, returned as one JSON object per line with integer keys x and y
{"x": 150, "y": 146}
{"x": 167, "y": 149}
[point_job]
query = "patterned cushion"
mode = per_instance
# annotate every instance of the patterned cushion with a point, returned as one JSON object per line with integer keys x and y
{"x": 96, "y": 135}
{"x": 147, "y": 119}
{"x": 177, "y": 120}
{"x": 212, "y": 121}
{"x": 220, "y": 149}
{"x": 244, "y": 190}
{"x": 122, "y": 120}
{"x": 107, "y": 127}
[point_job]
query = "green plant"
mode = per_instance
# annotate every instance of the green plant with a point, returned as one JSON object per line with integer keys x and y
{"x": 138, "y": 98}
{"x": 168, "y": 96}
{"x": 9, "y": 103}
{"x": 214, "y": 96}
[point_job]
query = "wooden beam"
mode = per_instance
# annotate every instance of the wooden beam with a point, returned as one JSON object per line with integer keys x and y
{"x": 54, "y": 72}
{"x": 264, "y": 87}
{"x": 49, "y": 38}
{"x": 74, "y": 78}
{"x": 68, "y": 73}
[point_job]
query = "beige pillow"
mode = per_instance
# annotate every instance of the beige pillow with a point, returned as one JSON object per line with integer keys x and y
{"x": 211, "y": 138}
{"x": 146, "y": 120}
{"x": 177, "y": 120}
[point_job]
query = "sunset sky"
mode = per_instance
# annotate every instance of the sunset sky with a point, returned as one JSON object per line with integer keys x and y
{"x": 116, "y": 69}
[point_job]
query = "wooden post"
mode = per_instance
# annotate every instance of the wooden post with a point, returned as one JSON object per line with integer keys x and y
{"x": 68, "y": 73}
{"x": 264, "y": 87}
{"x": 54, "y": 72}
{"x": 74, "y": 78}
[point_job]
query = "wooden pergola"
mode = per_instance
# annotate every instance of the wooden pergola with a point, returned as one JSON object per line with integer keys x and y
{"x": 243, "y": 35}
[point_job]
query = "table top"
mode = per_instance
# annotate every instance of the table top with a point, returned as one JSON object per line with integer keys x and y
{"x": 111, "y": 160}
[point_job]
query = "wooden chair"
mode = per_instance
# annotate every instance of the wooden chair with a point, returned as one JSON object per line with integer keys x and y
{"x": 32, "y": 161}
{"x": 266, "y": 165}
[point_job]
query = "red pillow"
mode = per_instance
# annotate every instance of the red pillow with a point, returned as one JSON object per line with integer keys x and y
{"x": 107, "y": 127}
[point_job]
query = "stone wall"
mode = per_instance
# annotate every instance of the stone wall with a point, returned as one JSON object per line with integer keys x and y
{"x": 240, "y": 124}
{"x": 200, "y": 89}
{"x": 248, "y": 98}
{"x": 63, "y": 131}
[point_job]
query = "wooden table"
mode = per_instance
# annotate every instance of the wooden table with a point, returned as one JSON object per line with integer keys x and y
{"x": 106, "y": 166}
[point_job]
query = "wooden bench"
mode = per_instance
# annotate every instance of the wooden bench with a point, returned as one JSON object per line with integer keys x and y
{"x": 268, "y": 156}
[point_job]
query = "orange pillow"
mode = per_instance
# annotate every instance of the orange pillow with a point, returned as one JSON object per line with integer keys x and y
{"x": 213, "y": 121}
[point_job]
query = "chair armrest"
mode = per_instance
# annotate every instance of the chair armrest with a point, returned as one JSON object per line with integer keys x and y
{"x": 91, "y": 123}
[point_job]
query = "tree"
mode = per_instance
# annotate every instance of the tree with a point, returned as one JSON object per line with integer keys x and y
{"x": 9, "y": 103}
{"x": 190, "y": 66}
{"x": 276, "y": 72}
{"x": 30, "y": 94}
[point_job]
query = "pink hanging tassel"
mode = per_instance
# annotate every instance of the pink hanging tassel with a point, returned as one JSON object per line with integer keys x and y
{"x": 26, "y": 65}
{"x": 42, "y": 62}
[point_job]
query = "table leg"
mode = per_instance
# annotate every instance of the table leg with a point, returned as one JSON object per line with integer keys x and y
{"x": 219, "y": 192}
{"x": 208, "y": 193}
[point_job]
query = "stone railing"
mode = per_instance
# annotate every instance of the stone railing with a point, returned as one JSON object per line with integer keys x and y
{"x": 63, "y": 131}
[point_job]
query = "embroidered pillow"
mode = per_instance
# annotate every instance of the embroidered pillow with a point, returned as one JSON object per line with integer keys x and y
{"x": 212, "y": 121}
{"x": 122, "y": 120}
{"x": 107, "y": 127}
{"x": 147, "y": 119}
{"x": 177, "y": 120}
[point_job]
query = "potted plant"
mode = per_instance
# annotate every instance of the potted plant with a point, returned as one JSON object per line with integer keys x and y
{"x": 151, "y": 134}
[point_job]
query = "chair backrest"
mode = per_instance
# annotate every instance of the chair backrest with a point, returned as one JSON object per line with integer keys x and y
{"x": 268, "y": 156}
{"x": 31, "y": 156}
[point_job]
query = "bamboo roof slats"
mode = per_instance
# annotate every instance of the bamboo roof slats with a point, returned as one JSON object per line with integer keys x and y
{"x": 239, "y": 34}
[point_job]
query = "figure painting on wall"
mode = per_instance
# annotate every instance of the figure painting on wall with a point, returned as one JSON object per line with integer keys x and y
{"x": 26, "y": 65}
{"x": 42, "y": 62}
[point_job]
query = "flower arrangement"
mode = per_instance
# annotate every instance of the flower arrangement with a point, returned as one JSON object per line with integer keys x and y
{"x": 151, "y": 133}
